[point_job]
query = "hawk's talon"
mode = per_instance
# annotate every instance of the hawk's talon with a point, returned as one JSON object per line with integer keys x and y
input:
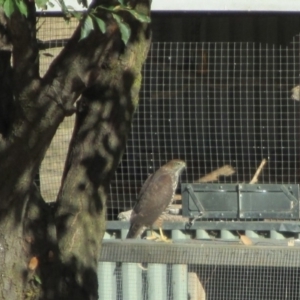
{"x": 162, "y": 237}
{"x": 154, "y": 236}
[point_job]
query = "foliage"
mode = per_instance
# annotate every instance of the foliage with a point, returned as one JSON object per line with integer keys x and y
{"x": 10, "y": 5}
{"x": 89, "y": 18}
{"x": 88, "y": 24}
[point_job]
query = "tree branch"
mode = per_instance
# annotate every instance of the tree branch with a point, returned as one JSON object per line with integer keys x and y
{"x": 25, "y": 47}
{"x": 76, "y": 68}
{"x": 41, "y": 107}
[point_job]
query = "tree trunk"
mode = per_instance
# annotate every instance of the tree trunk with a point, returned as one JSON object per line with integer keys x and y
{"x": 104, "y": 116}
{"x": 52, "y": 252}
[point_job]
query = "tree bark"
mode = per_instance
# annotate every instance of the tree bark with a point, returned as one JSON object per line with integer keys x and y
{"x": 104, "y": 116}
{"x": 52, "y": 252}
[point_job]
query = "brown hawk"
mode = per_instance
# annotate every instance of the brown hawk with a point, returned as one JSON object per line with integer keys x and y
{"x": 156, "y": 194}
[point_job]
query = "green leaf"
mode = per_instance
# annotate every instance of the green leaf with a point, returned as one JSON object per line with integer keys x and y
{"x": 76, "y": 14}
{"x": 37, "y": 279}
{"x": 118, "y": 7}
{"x": 69, "y": 11}
{"x": 22, "y": 8}
{"x": 9, "y": 7}
{"x": 124, "y": 29}
{"x": 62, "y": 5}
{"x": 83, "y": 2}
{"x": 101, "y": 24}
{"x": 121, "y": 2}
{"x": 41, "y": 3}
{"x": 140, "y": 17}
{"x": 86, "y": 28}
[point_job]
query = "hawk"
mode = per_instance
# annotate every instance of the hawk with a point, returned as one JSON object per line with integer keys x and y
{"x": 156, "y": 194}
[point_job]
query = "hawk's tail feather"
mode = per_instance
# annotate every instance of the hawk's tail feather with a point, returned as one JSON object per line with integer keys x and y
{"x": 134, "y": 230}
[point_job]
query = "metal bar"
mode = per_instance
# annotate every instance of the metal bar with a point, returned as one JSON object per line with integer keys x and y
{"x": 290, "y": 226}
{"x": 157, "y": 281}
{"x": 251, "y": 234}
{"x": 179, "y": 234}
{"x": 195, "y": 199}
{"x": 202, "y": 234}
{"x": 131, "y": 281}
{"x": 179, "y": 282}
{"x": 227, "y": 235}
{"x": 276, "y": 235}
{"x": 106, "y": 280}
{"x": 264, "y": 252}
{"x": 288, "y": 194}
{"x": 124, "y": 233}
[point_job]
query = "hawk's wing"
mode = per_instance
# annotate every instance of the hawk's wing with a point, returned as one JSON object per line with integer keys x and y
{"x": 144, "y": 187}
{"x": 154, "y": 197}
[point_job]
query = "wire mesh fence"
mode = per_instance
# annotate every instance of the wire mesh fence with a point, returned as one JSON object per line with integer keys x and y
{"x": 209, "y": 104}
{"x": 212, "y": 104}
{"x": 198, "y": 270}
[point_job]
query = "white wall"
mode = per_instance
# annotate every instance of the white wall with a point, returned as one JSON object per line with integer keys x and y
{"x": 226, "y": 5}
{"x": 213, "y": 5}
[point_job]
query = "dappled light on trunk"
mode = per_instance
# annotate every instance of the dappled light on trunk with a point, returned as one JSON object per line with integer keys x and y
{"x": 52, "y": 251}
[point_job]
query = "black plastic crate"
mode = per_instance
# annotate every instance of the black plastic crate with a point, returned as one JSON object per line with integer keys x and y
{"x": 241, "y": 201}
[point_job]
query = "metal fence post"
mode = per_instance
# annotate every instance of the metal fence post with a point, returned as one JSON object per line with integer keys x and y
{"x": 106, "y": 277}
{"x": 106, "y": 280}
{"x": 179, "y": 282}
{"x": 132, "y": 281}
{"x": 157, "y": 282}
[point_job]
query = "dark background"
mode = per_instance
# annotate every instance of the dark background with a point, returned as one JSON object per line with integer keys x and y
{"x": 216, "y": 90}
